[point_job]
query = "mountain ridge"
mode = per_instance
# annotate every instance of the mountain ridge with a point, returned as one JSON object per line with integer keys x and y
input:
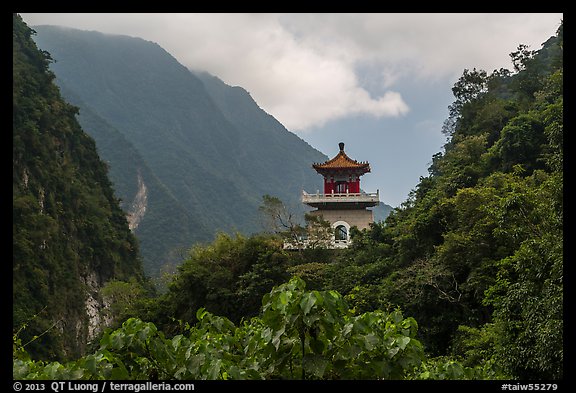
{"x": 212, "y": 160}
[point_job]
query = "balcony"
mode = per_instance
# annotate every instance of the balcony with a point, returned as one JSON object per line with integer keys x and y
{"x": 362, "y": 198}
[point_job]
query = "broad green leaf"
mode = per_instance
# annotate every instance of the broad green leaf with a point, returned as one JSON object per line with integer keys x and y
{"x": 370, "y": 341}
{"x": 308, "y": 300}
{"x": 393, "y": 351}
{"x": 117, "y": 340}
{"x": 214, "y": 370}
{"x": 402, "y": 342}
{"x": 277, "y": 335}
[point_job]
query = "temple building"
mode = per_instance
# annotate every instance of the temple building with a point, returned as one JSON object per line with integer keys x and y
{"x": 343, "y": 203}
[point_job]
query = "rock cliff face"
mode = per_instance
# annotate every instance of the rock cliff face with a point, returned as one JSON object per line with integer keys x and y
{"x": 139, "y": 204}
{"x": 95, "y": 306}
{"x": 70, "y": 236}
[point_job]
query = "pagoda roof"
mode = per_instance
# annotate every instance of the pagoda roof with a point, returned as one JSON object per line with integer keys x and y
{"x": 342, "y": 162}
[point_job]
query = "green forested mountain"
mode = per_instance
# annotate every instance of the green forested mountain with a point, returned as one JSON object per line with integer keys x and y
{"x": 475, "y": 254}
{"x": 70, "y": 235}
{"x": 163, "y": 226}
{"x": 204, "y": 151}
{"x": 463, "y": 281}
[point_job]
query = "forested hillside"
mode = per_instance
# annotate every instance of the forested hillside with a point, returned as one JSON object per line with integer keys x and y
{"x": 463, "y": 281}
{"x": 70, "y": 236}
{"x": 475, "y": 254}
{"x": 204, "y": 151}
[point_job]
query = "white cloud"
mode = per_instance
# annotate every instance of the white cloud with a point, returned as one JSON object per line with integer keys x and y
{"x": 303, "y": 68}
{"x": 302, "y": 86}
{"x": 425, "y": 44}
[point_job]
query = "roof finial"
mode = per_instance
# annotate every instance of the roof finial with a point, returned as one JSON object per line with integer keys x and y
{"x": 341, "y": 144}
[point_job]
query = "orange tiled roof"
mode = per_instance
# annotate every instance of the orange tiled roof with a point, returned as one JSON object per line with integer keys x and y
{"x": 342, "y": 161}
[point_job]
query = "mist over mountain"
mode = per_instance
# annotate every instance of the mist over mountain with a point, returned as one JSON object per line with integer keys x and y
{"x": 188, "y": 154}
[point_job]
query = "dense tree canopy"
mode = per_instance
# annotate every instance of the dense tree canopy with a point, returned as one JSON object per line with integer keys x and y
{"x": 69, "y": 233}
{"x": 475, "y": 254}
{"x": 473, "y": 258}
{"x": 478, "y": 245}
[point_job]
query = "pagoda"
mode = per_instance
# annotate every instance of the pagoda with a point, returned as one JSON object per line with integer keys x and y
{"x": 343, "y": 203}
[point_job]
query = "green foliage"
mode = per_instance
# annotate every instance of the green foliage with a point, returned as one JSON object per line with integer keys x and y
{"x": 475, "y": 345}
{"x": 521, "y": 143}
{"x": 312, "y": 273}
{"x": 126, "y": 299}
{"x": 69, "y": 233}
{"x": 478, "y": 243}
{"x": 228, "y": 277}
{"x": 446, "y": 368}
{"x": 528, "y": 292}
{"x": 320, "y": 338}
{"x": 475, "y": 255}
{"x": 299, "y": 334}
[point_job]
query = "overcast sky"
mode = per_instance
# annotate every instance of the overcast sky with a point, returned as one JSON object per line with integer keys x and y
{"x": 381, "y": 83}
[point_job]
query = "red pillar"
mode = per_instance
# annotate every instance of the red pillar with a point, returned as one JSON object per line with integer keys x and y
{"x": 328, "y": 185}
